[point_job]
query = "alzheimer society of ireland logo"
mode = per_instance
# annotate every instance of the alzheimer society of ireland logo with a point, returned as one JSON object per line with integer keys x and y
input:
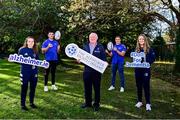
{"x": 71, "y": 50}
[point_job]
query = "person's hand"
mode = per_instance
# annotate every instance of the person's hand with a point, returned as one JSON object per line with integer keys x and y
{"x": 50, "y": 45}
{"x": 106, "y": 51}
{"x": 115, "y": 49}
{"x": 59, "y": 50}
{"x": 78, "y": 60}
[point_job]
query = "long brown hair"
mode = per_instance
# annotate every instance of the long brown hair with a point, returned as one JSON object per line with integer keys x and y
{"x": 146, "y": 44}
{"x": 35, "y": 48}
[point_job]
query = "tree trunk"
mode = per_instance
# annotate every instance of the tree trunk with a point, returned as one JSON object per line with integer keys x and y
{"x": 177, "y": 63}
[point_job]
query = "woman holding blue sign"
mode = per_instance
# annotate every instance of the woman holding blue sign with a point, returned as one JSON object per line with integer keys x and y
{"x": 143, "y": 75}
{"x": 117, "y": 53}
{"x": 28, "y": 72}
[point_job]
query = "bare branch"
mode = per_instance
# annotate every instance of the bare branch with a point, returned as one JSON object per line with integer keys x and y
{"x": 37, "y": 18}
{"x": 148, "y": 4}
{"x": 165, "y": 3}
{"x": 170, "y": 5}
{"x": 162, "y": 18}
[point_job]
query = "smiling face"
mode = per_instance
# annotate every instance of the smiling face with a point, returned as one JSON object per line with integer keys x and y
{"x": 118, "y": 40}
{"x": 141, "y": 41}
{"x": 30, "y": 42}
{"x": 93, "y": 38}
{"x": 51, "y": 35}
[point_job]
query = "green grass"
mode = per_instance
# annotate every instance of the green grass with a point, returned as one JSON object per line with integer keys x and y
{"x": 65, "y": 103}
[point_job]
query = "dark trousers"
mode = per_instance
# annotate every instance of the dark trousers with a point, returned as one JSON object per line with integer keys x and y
{"x": 143, "y": 81}
{"x": 52, "y": 68}
{"x": 120, "y": 67}
{"x": 27, "y": 77}
{"x": 92, "y": 79}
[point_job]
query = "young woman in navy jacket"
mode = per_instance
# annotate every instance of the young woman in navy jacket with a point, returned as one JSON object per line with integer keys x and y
{"x": 28, "y": 73}
{"x": 143, "y": 75}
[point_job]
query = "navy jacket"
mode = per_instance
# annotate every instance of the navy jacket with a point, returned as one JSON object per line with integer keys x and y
{"x": 28, "y": 52}
{"x": 150, "y": 58}
{"x": 98, "y": 52}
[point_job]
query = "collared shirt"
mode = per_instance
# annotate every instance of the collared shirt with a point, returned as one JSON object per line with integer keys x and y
{"x": 91, "y": 47}
{"x": 116, "y": 58}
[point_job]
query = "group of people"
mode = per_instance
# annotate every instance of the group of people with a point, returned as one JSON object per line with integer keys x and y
{"x": 91, "y": 78}
{"x": 29, "y": 73}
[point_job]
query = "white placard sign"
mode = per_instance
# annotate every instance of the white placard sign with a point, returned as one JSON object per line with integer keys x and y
{"x": 73, "y": 51}
{"x": 28, "y": 60}
{"x": 137, "y": 60}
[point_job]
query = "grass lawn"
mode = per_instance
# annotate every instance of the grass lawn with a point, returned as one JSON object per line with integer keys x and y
{"x": 65, "y": 103}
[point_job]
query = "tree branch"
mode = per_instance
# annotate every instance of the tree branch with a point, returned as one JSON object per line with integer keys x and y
{"x": 161, "y": 18}
{"x": 170, "y": 5}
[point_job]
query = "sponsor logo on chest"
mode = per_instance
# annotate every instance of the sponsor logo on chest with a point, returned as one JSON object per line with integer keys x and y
{"x": 97, "y": 50}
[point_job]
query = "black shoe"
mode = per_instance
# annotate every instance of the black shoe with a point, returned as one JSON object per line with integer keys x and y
{"x": 96, "y": 108}
{"x": 24, "y": 108}
{"x": 33, "y": 106}
{"x": 86, "y": 105}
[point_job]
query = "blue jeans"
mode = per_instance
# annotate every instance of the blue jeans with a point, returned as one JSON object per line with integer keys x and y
{"x": 120, "y": 67}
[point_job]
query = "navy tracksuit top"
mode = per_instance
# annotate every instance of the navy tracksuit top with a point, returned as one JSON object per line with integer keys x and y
{"x": 28, "y": 52}
{"x": 98, "y": 52}
{"x": 150, "y": 58}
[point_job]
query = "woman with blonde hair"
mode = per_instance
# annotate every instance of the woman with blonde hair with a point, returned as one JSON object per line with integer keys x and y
{"x": 28, "y": 73}
{"x": 143, "y": 75}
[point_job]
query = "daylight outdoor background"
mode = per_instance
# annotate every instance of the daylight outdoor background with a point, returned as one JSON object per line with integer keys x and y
{"x": 75, "y": 19}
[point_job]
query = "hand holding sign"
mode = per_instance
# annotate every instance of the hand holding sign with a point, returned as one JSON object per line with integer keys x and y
{"x": 73, "y": 51}
{"x": 137, "y": 60}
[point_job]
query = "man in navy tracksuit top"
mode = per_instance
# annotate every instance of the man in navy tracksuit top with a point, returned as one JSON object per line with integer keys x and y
{"x": 143, "y": 75}
{"x": 29, "y": 73}
{"x": 92, "y": 77}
